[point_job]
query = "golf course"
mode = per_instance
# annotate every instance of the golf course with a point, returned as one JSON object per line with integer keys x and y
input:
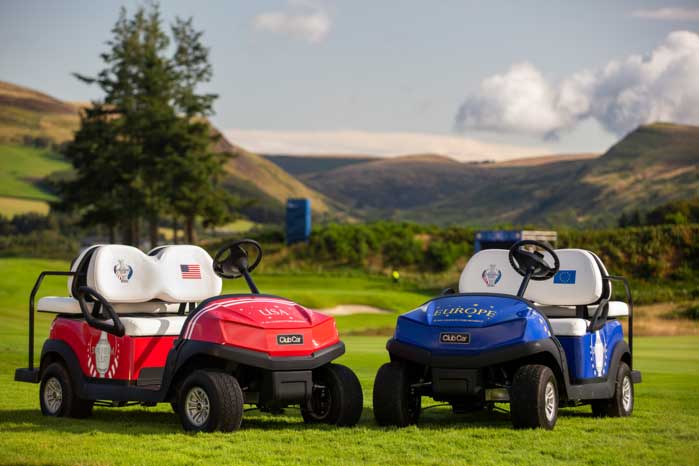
{"x": 664, "y": 428}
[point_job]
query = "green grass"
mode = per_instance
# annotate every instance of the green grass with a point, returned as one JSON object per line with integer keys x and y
{"x": 11, "y": 206}
{"x": 22, "y": 167}
{"x": 663, "y": 430}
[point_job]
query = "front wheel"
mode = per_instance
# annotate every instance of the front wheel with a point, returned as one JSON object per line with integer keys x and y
{"x": 621, "y": 404}
{"x": 534, "y": 398}
{"x": 210, "y": 401}
{"x": 57, "y": 395}
{"x": 336, "y": 399}
{"x": 396, "y": 403}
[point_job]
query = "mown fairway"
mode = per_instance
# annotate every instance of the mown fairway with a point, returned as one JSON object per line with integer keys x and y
{"x": 663, "y": 430}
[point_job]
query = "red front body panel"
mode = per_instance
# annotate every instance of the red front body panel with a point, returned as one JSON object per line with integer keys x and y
{"x": 124, "y": 357}
{"x": 255, "y": 322}
{"x": 251, "y": 322}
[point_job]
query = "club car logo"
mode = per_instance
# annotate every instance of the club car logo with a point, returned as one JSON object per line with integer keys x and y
{"x": 123, "y": 271}
{"x": 290, "y": 339}
{"x": 453, "y": 337}
{"x": 491, "y": 275}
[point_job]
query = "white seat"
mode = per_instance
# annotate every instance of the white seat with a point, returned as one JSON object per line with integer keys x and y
{"x": 616, "y": 309}
{"x": 153, "y": 326}
{"x": 569, "y": 327}
{"x": 579, "y": 282}
{"x": 136, "y": 283}
{"x": 65, "y": 305}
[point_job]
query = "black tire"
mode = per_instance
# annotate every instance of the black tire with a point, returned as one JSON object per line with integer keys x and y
{"x": 621, "y": 404}
{"x": 341, "y": 401}
{"x": 534, "y": 398}
{"x": 218, "y": 391}
{"x": 55, "y": 384}
{"x": 395, "y": 403}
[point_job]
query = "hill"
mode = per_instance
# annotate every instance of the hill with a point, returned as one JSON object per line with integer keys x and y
{"x": 253, "y": 176}
{"x": 299, "y": 165}
{"x": 30, "y": 118}
{"x": 652, "y": 165}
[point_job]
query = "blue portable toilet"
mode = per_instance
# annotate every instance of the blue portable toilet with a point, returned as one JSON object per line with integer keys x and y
{"x": 298, "y": 220}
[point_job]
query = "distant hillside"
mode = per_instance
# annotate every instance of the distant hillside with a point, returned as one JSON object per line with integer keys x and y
{"x": 299, "y": 165}
{"x": 26, "y": 114}
{"x": 30, "y": 118}
{"x": 253, "y": 176}
{"x": 651, "y": 165}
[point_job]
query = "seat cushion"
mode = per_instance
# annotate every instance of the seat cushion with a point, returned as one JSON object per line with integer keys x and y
{"x": 569, "y": 327}
{"x": 616, "y": 309}
{"x": 65, "y": 305}
{"x": 153, "y": 326}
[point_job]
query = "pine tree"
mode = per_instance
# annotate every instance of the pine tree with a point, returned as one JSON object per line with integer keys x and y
{"x": 148, "y": 140}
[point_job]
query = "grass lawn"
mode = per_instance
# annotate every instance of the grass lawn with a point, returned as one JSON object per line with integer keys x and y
{"x": 11, "y": 206}
{"x": 21, "y": 167}
{"x": 663, "y": 430}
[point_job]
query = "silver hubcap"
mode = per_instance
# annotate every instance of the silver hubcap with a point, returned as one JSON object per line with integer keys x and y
{"x": 53, "y": 395}
{"x": 550, "y": 401}
{"x": 197, "y": 406}
{"x": 626, "y": 394}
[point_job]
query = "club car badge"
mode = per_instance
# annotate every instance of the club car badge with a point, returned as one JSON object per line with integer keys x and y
{"x": 123, "y": 271}
{"x": 491, "y": 275}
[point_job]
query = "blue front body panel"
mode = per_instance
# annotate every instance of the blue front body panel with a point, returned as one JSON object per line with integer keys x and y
{"x": 589, "y": 356}
{"x": 491, "y": 321}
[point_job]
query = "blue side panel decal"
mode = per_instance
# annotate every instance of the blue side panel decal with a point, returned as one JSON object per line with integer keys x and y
{"x": 589, "y": 356}
{"x": 564, "y": 277}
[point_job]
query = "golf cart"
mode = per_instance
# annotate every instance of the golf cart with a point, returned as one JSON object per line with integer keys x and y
{"x": 146, "y": 329}
{"x": 531, "y": 326}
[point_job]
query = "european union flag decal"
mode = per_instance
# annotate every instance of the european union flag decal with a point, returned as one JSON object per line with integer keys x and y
{"x": 564, "y": 277}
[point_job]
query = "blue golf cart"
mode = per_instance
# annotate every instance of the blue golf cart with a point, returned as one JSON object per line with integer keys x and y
{"x": 530, "y": 326}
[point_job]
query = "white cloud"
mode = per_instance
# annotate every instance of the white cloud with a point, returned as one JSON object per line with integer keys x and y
{"x": 668, "y": 14}
{"x": 301, "y": 19}
{"x": 662, "y": 86}
{"x": 374, "y": 143}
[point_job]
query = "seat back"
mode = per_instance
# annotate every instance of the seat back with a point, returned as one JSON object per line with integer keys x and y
{"x": 186, "y": 274}
{"x": 124, "y": 274}
{"x": 578, "y": 281}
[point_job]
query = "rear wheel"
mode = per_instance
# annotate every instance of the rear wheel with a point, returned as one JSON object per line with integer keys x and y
{"x": 210, "y": 401}
{"x": 57, "y": 395}
{"x": 395, "y": 402}
{"x": 534, "y": 398}
{"x": 337, "y": 397}
{"x": 621, "y": 404}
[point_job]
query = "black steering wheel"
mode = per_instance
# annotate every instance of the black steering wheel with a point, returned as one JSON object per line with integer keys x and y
{"x": 533, "y": 263}
{"x": 233, "y": 260}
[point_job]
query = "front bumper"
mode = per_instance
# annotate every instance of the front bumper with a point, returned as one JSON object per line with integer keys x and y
{"x": 475, "y": 360}
{"x": 261, "y": 359}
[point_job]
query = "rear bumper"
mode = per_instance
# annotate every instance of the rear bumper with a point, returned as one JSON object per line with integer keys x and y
{"x": 478, "y": 360}
{"x": 27, "y": 375}
{"x": 636, "y": 377}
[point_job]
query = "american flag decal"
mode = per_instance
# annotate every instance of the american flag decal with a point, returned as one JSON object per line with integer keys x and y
{"x": 191, "y": 271}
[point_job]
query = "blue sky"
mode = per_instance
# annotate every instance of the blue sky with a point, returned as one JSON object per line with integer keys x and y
{"x": 466, "y": 78}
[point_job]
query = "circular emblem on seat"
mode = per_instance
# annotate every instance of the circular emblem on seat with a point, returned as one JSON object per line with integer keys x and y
{"x": 492, "y": 275}
{"x": 123, "y": 271}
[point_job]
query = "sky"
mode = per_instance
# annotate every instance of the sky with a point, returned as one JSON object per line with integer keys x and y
{"x": 474, "y": 80}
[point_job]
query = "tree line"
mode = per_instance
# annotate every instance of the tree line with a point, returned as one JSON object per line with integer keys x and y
{"x": 145, "y": 150}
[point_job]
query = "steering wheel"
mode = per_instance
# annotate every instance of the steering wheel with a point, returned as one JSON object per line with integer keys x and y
{"x": 231, "y": 260}
{"x": 525, "y": 262}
